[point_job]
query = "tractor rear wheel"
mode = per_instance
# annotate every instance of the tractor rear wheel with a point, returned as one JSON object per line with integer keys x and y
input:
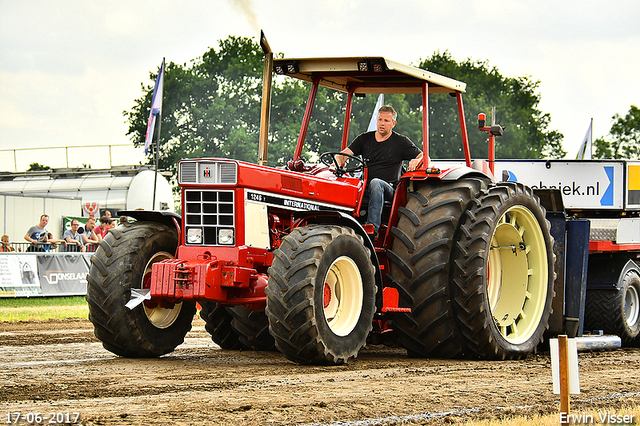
{"x": 420, "y": 266}
{"x": 237, "y": 328}
{"x": 321, "y": 295}
{"x": 616, "y": 311}
{"x": 122, "y": 263}
{"x": 505, "y": 273}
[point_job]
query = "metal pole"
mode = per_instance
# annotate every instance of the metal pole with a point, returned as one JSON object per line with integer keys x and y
{"x": 157, "y": 149}
{"x": 425, "y": 125}
{"x": 266, "y": 101}
{"x": 591, "y": 141}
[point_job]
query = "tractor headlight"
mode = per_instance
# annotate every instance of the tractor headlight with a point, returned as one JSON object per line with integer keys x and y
{"x": 194, "y": 235}
{"x": 225, "y": 236}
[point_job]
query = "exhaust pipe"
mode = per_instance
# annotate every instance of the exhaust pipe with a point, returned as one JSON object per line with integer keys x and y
{"x": 266, "y": 100}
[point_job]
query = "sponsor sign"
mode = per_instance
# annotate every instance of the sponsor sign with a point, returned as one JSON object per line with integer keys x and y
{"x": 583, "y": 184}
{"x": 19, "y": 276}
{"x": 39, "y": 274}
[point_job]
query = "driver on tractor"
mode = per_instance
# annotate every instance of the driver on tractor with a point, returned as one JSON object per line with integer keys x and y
{"x": 383, "y": 151}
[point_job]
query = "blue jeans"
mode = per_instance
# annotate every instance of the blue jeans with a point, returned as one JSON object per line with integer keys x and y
{"x": 377, "y": 191}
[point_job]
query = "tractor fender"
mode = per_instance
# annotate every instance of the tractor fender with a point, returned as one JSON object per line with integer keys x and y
{"x": 458, "y": 173}
{"x": 171, "y": 219}
{"x": 607, "y": 272}
{"x": 343, "y": 219}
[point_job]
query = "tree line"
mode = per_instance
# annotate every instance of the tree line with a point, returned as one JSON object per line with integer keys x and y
{"x": 211, "y": 108}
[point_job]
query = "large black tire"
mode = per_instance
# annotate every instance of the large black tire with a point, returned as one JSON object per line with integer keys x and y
{"x": 420, "y": 266}
{"x": 218, "y": 323}
{"x": 504, "y": 273}
{"x": 237, "y": 328}
{"x": 616, "y": 311}
{"x": 121, "y": 263}
{"x": 321, "y": 295}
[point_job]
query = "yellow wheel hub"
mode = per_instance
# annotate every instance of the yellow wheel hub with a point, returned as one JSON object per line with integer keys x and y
{"x": 517, "y": 274}
{"x": 343, "y": 295}
{"x": 158, "y": 316}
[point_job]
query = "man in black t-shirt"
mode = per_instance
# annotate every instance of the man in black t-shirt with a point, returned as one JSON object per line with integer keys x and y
{"x": 384, "y": 151}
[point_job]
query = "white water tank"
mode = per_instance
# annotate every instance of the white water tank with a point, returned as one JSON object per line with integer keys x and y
{"x": 118, "y": 188}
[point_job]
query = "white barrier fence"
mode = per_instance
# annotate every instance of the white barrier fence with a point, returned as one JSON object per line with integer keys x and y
{"x": 44, "y": 274}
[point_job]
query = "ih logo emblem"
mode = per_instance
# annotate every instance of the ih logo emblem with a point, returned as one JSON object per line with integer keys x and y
{"x": 207, "y": 172}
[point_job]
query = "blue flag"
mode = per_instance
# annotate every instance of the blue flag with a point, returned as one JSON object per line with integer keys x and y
{"x": 156, "y": 106}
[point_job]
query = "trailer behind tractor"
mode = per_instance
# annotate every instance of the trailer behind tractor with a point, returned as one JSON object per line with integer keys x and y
{"x": 281, "y": 258}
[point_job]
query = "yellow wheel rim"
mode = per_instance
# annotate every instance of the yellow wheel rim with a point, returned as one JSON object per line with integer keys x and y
{"x": 158, "y": 316}
{"x": 343, "y": 296}
{"x": 517, "y": 275}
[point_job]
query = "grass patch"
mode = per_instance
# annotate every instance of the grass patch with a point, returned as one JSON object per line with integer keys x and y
{"x": 42, "y": 308}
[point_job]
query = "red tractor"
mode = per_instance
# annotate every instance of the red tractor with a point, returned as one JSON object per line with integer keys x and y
{"x": 279, "y": 258}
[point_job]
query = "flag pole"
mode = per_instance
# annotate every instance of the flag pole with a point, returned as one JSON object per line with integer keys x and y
{"x": 157, "y": 149}
{"x": 591, "y": 140}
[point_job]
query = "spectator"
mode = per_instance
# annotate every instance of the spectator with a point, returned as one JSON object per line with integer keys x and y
{"x": 124, "y": 219}
{"x": 73, "y": 238}
{"x": 37, "y": 234}
{"x": 112, "y": 223}
{"x": 89, "y": 236}
{"x": 102, "y": 230}
{"x": 53, "y": 241}
{"x": 5, "y": 246}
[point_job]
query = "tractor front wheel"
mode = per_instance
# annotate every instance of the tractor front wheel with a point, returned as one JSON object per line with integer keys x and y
{"x": 122, "y": 263}
{"x": 321, "y": 295}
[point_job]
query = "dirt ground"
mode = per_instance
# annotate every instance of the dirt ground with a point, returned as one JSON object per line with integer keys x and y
{"x": 59, "y": 367}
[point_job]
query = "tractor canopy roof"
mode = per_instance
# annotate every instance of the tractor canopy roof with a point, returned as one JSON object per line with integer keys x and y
{"x": 373, "y": 74}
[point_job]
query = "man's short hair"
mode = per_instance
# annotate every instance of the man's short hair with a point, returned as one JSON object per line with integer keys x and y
{"x": 44, "y": 215}
{"x": 91, "y": 219}
{"x": 104, "y": 219}
{"x": 389, "y": 108}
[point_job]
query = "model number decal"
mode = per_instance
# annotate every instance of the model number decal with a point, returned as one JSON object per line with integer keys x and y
{"x": 256, "y": 197}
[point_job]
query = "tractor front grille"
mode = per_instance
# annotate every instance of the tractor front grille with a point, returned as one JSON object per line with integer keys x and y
{"x": 211, "y": 211}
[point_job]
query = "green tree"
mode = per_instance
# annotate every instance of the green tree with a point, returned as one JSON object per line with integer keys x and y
{"x": 623, "y": 140}
{"x": 516, "y": 101}
{"x": 211, "y": 108}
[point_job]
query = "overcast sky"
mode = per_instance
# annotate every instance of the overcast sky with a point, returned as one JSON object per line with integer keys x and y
{"x": 69, "y": 68}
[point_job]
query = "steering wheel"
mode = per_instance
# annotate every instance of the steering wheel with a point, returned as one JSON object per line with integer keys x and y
{"x": 331, "y": 159}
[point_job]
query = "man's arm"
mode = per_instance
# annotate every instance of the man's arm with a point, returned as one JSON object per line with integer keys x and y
{"x": 28, "y": 238}
{"x": 414, "y": 162}
{"x": 92, "y": 240}
{"x": 71, "y": 240}
{"x": 341, "y": 159}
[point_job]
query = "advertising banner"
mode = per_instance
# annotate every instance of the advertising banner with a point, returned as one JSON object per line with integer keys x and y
{"x": 18, "y": 276}
{"x": 44, "y": 274}
{"x": 63, "y": 274}
{"x": 583, "y": 184}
